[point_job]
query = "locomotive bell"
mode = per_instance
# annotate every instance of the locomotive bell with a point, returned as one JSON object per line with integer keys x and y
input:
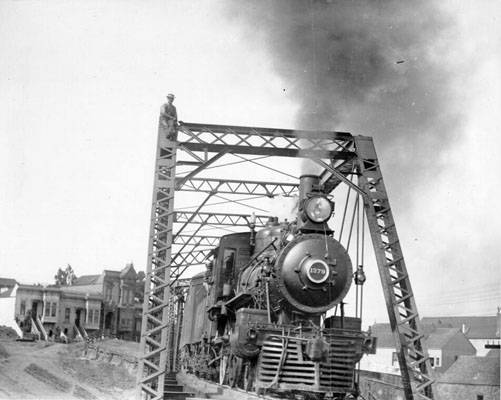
{"x": 314, "y": 273}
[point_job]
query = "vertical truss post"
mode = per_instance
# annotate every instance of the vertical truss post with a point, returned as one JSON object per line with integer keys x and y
{"x": 171, "y": 323}
{"x": 204, "y": 145}
{"x": 154, "y": 335}
{"x": 402, "y": 311}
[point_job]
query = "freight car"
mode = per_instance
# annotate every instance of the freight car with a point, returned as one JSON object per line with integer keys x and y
{"x": 257, "y": 318}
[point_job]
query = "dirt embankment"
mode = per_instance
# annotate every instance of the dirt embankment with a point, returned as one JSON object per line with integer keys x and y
{"x": 7, "y": 333}
{"x": 38, "y": 370}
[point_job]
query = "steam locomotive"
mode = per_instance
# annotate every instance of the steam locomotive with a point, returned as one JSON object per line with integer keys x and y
{"x": 256, "y": 319}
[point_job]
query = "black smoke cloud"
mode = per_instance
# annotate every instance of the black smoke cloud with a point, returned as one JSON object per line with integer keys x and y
{"x": 368, "y": 67}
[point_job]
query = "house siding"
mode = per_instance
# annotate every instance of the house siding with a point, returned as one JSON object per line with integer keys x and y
{"x": 382, "y": 361}
{"x": 479, "y": 345}
{"x": 109, "y": 300}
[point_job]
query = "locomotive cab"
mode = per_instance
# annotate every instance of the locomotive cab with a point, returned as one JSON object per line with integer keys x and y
{"x": 232, "y": 255}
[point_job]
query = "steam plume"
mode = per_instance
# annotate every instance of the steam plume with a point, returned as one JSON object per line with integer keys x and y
{"x": 368, "y": 67}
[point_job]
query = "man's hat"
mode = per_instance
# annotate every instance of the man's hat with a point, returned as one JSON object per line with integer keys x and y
{"x": 170, "y": 95}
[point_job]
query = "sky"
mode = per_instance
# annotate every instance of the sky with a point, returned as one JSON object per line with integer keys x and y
{"x": 81, "y": 84}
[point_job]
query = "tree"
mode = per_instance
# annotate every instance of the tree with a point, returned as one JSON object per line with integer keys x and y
{"x": 65, "y": 277}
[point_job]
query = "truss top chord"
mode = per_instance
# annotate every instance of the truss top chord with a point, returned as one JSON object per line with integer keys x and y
{"x": 275, "y": 132}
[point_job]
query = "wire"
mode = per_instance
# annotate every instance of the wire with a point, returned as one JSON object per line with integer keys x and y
{"x": 344, "y": 213}
{"x": 270, "y": 168}
{"x": 236, "y": 162}
{"x": 239, "y": 202}
{"x": 355, "y": 211}
{"x": 224, "y": 202}
{"x": 213, "y": 227}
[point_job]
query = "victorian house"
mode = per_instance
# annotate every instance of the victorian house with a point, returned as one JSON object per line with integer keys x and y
{"x": 101, "y": 304}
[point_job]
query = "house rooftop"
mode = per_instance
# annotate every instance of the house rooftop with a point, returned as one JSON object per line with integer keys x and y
{"x": 88, "y": 280}
{"x": 493, "y": 353}
{"x": 92, "y": 290}
{"x": 472, "y": 370}
{"x": 474, "y": 327}
{"x": 440, "y": 337}
{"x": 40, "y": 287}
{"x": 129, "y": 269}
{"x": 7, "y": 282}
{"x": 435, "y": 339}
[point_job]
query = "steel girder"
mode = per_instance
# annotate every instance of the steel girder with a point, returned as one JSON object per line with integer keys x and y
{"x": 173, "y": 249}
{"x": 411, "y": 349}
{"x": 220, "y": 219}
{"x": 229, "y": 186}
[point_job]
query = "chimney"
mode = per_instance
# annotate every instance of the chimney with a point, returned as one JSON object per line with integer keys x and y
{"x": 306, "y": 184}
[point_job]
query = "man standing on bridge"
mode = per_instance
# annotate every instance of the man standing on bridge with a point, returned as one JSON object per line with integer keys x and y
{"x": 168, "y": 117}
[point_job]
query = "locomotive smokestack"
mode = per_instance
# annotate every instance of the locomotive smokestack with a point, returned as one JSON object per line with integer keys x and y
{"x": 306, "y": 185}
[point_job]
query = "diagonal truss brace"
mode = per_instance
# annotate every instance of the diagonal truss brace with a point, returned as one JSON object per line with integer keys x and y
{"x": 222, "y": 219}
{"x": 198, "y": 240}
{"x": 228, "y": 186}
{"x": 402, "y": 311}
{"x": 206, "y": 144}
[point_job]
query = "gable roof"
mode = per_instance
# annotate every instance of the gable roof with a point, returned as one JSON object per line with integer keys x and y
{"x": 87, "y": 280}
{"x": 128, "y": 270}
{"x": 7, "y": 287}
{"x": 472, "y": 370}
{"x": 93, "y": 290}
{"x": 435, "y": 338}
{"x": 475, "y": 327}
{"x": 440, "y": 337}
{"x": 493, "y": 353}
{"x": 7, "y": 282}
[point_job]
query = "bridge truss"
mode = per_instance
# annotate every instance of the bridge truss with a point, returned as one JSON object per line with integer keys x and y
{"x": 188, "y": 170}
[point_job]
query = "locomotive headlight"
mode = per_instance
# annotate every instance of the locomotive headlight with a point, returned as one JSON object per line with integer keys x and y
{"x": 318, "y": 209}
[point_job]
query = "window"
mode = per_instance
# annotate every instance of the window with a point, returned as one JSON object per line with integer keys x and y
{"x": 22, "y": 311}
{"x": 437, "y": 362}
{"x": 227, "y": 271}
{"x": 47, "y": 309}
{"x": 66, "y": 315}
{"x": 96, "y": 317}
{"x": 432, "y": 362}
{"x": 53, "y": 309}
{"x": 127, "y": 296}
{"x": 108, "y": 292}
{"x": 480, "y": 397}
{"x": 394, "y": 359}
